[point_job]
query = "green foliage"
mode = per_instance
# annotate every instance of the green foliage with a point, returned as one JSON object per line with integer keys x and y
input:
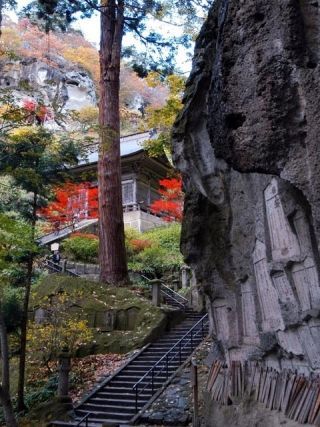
{"x": 160, "y": 255}
{"x": 42, "y": 394}
{"x": 12, "y": 309}
{"x": 167, "y": 237}
{"x": 163, "y": 118}
{"x": 81, "y": 248}
{"x": 154, "y": 251}
{"x": 16, "y": 243}
{"x": 62, "y": 327}
{"x": 13, "y": 200}
{"x": 35, "y": 158}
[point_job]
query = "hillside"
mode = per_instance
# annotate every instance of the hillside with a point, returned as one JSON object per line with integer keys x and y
{"x": 62, "y": 71}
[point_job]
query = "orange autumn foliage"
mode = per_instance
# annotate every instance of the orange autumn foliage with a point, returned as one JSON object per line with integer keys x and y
{"x": 89, "y": 236}
{"x": 139, "y": 245}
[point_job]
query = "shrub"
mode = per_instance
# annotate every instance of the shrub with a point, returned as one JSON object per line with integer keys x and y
{"x": 167, "y": 237}
{"x": 139, "y": 245}
{"x": 156, "y": 251}
{"x": 62, "y": 327}
{"x": 81, "y": 248}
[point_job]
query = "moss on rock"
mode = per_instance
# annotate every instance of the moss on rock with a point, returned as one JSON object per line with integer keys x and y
{"x": 120, "y": 318}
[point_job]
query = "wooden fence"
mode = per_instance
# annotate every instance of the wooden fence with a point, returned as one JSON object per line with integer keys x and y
{"x": 296, "y": 395}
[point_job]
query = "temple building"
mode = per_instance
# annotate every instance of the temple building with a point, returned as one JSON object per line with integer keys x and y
{"x": 140, "y": 179}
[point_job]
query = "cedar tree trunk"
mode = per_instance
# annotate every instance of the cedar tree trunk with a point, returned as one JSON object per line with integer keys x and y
{"x": 113, "y": 263}
{"x": 5, "y": 380}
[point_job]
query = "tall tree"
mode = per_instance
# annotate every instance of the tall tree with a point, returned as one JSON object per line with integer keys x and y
{"x": 35, "y": 159}
{"x": 116, "y": 18}
{"x": 15, "y": 244}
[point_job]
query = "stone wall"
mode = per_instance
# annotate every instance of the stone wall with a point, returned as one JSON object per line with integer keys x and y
{"x": 246, "y": 143}
{"x": 142, "y": 221}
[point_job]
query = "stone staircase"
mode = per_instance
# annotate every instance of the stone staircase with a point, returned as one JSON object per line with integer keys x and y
{"x": 120, "y": 398}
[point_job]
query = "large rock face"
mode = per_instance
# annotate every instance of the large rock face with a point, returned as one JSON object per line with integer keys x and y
{"x": 247, "y": 145}
{"x": 63, "y": 85}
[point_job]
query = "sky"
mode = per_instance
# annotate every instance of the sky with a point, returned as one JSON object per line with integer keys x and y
{"x": 91, "y": 30}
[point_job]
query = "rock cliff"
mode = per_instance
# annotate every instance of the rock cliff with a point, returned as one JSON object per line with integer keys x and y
{"x": 62, "y": 85}
{"x": 247, "y": 144}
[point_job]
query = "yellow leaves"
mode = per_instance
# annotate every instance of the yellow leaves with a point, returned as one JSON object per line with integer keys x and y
{"x": 87, "y": 57}
{"x": 153, "y": 79}
{"x": 23, "y": 132}
{"x": 10, "y": 41}
{"x": 61, "y": 326}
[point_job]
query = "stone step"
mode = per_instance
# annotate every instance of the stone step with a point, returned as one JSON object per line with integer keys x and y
{"x": 156, "y": 382}
{"x": 149, "y": 364}
{"x": 118, "y": 402}
{"x": 73, "y": 424}
{"x": 122, "y": 414}
{"x": 108, "y": 407}
{"x": 132, "y": 376}
{"x": 124, "y": 393}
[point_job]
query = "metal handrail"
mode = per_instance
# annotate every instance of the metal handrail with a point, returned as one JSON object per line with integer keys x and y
{"x": 173, "y": 298}
{"x": 57, "y": 268}
{"x": 169, "y": 290}
{"x": 86, "y": 419}
{"x": 174, "y": 293}
{"x": 165, "y": 358}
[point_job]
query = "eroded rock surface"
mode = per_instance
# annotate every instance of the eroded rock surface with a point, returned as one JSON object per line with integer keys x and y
{"x": 247, "y": 145}
{"x": 63, "y": 85}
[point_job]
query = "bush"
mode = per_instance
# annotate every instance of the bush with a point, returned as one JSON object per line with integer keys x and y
{"x": 155, "y": 251}
{"x": 81, "y": 247}
{"x": 167, "y": 237}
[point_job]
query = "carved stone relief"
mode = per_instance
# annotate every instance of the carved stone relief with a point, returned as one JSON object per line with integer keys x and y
{"x": 220, "y": 312}
{"x": 249, "y": 317}
{"x": 303, "y": 232}
{"x": 310, "y": 346}
{"x": 284, "y": 243}
{"x": 290, "y": 342}
{"x": 306, "y": 281}
{"x": 283, "y": 287}
{"x": 268, "y": 295}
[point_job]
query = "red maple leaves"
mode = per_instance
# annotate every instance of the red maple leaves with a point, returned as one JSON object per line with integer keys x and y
{"x": 75, "y": 202}
{"x": 72, "y": 203}
{"x": 171, "y": 203}
{"x": 37, "y": 112}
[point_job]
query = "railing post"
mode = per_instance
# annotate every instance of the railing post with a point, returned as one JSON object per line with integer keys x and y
{"x": 180, "y": 356}
{"x": 64, "y": 369}
{"x": 202, "y": 328}
{"x": 156, "y": 287}
{"x": 191, "y": 340}
{"x": 167, "y": 366}
{"x": 136, "y": 390}
{"x": 152, "y": 380}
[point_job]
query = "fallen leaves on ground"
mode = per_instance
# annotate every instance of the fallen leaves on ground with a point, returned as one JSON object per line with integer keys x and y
{"x": 87, "y": 371}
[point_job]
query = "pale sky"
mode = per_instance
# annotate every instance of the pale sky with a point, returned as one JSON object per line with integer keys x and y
{"x": 91, "y": 31}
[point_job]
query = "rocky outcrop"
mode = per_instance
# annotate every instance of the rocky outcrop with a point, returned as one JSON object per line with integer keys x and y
{"x": 61, "y": 85}
{"x": 246, "y": 143}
